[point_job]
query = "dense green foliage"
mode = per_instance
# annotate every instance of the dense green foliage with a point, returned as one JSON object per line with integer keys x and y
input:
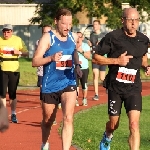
{"x": 95, "y": 8}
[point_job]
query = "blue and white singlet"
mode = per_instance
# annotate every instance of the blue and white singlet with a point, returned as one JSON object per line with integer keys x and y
{"x": 59, "y": 75}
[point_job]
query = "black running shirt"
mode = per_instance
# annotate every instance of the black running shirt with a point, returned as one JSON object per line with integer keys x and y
{"x": 123, "y": 79}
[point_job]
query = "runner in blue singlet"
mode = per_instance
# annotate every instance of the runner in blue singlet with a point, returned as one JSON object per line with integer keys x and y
{"x": 59, "y": 63}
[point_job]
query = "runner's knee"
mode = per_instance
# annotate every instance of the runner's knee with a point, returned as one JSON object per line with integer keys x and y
{"x": 68, "y": 119}
{"x": 48, "y": 119}
{"x": 134, "y": 126}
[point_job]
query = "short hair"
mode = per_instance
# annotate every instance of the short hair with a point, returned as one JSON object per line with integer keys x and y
{"x": 97, "y": 21}
{"x": 62, "y": 12}
{"x": 45, "y": 26}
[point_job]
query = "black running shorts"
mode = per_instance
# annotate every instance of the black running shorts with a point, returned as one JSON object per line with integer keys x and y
{"x": 132, "y": 101}
{"x": 9, "y": 79}
{"x": 55, "y": 97}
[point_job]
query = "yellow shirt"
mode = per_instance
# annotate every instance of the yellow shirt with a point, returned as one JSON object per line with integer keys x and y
{"x": 7, "y": 48}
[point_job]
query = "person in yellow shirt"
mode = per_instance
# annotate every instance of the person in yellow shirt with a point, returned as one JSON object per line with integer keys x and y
{"x": 11, "y": 48}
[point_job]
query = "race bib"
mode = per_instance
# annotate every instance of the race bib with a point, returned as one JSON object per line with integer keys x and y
{"x": 64, "y": 63}
{"x": 126, "y": 75}
{"x": 7, "y": 51}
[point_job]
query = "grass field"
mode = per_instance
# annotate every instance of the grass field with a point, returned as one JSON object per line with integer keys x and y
{"x": 89, "y": 126}
{"x": 29, "y": 77}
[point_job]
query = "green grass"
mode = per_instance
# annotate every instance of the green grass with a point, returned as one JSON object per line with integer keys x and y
{"x": 28, "y": 75}
{"x": 89, "y": 126}
{"x": 29, "y": 78}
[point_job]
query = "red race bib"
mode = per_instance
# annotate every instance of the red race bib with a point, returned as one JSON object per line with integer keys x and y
{"x": 126, "y": 75}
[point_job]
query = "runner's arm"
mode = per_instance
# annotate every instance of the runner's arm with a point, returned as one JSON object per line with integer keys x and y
{"x": 42, "y": 47}
{"x": 76, "y": 57}
{"x": 102, "y": 60}
{"x": 76, "y": 60}
{"x": 145, "y": 61}
{"x": 145, "y": 65}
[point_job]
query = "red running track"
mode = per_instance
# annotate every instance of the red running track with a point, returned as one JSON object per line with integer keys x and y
{"x": 26, "y": 135}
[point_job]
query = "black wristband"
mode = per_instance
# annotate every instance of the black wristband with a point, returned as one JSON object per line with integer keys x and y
{"x": 78, "y": 65}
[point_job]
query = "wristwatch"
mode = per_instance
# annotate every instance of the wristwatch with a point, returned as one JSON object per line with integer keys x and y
{"x": 78, "y": 65}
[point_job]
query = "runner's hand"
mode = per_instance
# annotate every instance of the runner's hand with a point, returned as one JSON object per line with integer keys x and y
{"x": 4, "y": 123}
{"x": 16, "y": 52}
{"x": 78, "y": 71}
{"x": 123, "y": 59}
{"x": 57, "y": 56}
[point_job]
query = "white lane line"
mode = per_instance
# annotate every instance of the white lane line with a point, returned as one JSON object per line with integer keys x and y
{"x": 24, "y": 110}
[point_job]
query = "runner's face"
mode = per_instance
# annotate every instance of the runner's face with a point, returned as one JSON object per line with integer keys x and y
{"x": 96, "y": 26}
{"x": 131, "y": 22}
{"x": 64, "y": 25}
{"x": 7, "y": 34}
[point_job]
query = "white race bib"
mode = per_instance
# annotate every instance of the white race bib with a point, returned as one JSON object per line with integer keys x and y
{"x": 64, "y": 63}
{"x": 7, "y": 51}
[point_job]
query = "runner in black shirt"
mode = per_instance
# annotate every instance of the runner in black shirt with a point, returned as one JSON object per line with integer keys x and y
{"x": 126, "y": 49}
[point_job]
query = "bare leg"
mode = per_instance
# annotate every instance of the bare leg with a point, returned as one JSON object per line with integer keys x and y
{"x": 13, "y": 104}
{"x": 84, "y": 93}
{"x": 112, "y": 125}
{"x": 78, "y": 92}
{"x": 102, "y": 75}
{"x": 49, "y": 114}
{"x": 3, "y": 101}
{"x": 134, "y": 137}
{"x": 68, "y": 103}
{"x": 95, "y": 80}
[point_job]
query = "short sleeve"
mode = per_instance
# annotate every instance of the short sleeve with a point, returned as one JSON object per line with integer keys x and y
{"x": 86, "y": 47}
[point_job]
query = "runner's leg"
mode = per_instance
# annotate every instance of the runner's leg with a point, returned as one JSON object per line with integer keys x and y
{"x": 68, "y": 100}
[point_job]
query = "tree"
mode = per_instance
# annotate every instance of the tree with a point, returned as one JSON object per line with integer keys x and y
{"x": 112, "y": 9}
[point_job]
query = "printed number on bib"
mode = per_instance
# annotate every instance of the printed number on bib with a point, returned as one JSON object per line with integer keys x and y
{"x": 126, "y": 75}
{"x": 64, "y": 63}
{"x": 7, "y": 51}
